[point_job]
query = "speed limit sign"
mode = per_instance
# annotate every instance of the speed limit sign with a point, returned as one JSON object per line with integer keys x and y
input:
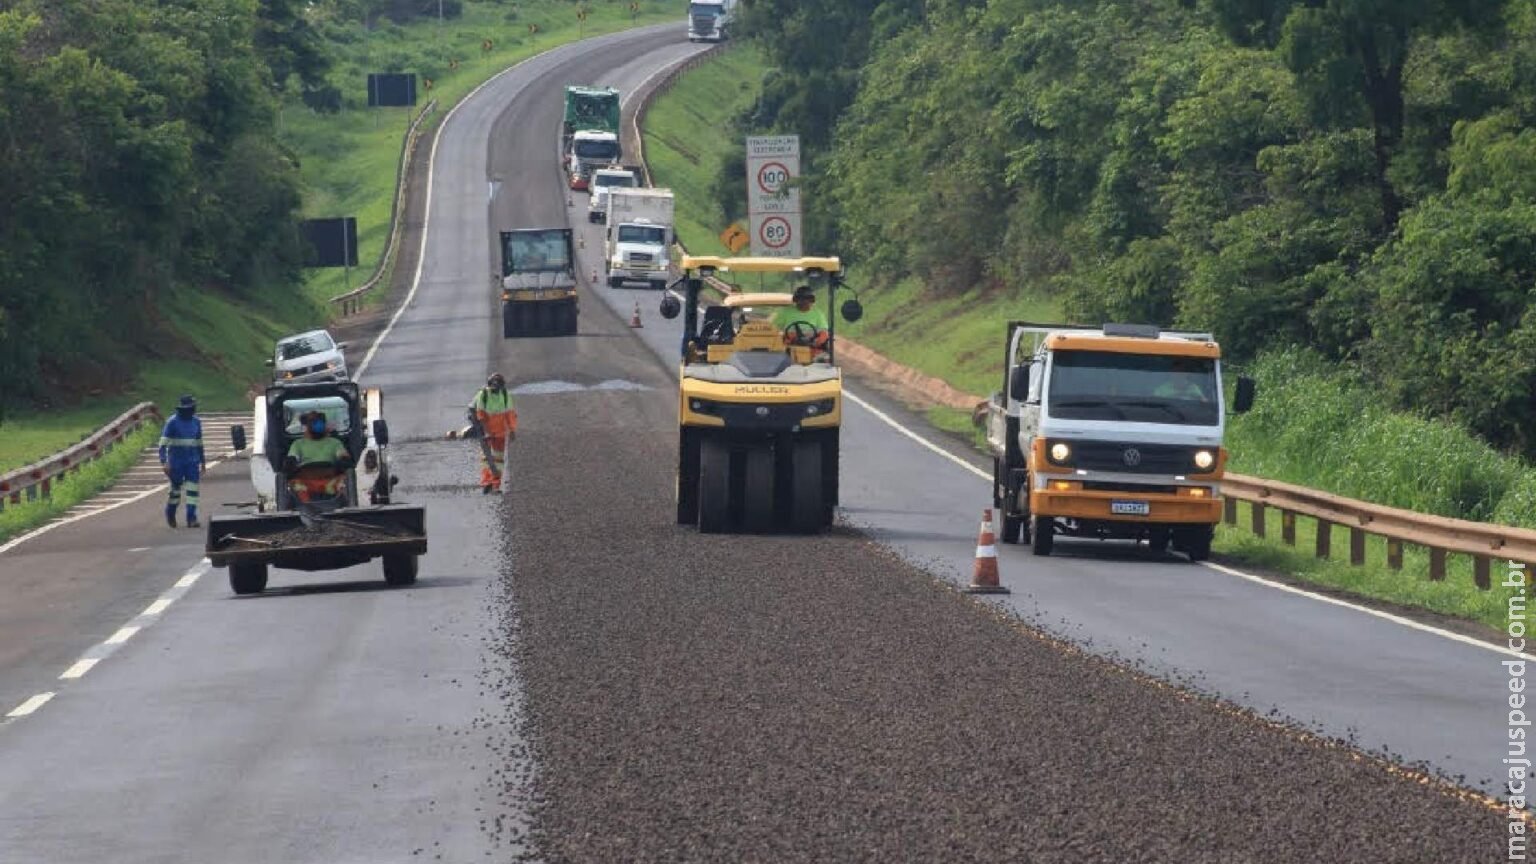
{"x": 776, "y": 235}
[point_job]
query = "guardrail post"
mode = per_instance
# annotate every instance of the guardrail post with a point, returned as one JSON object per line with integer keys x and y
{"x": 1288, "y": 527}
{"x": 32, "y": 493}
{"x": 1436, "y": 565}
{"x": 1480, "y": 567}
{"x": 1324, "y": 538}
{"x": 1258, "y": 519}
{"x": 1356, "y": 546}
{"x": 47, "y": 485}
{"x": 1395, "y": 554}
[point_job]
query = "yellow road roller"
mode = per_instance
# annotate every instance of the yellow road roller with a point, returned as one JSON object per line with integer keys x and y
{"x": 760, "y": 396}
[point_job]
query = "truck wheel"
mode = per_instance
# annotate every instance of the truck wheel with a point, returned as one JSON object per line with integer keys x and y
{"x": 714, "y": 487}
{"x": 1157, "y": 539}
{"x": 808, "y": 502}
{"x": 1194, "y": 542}
{"x": 615, "y": 282}
{"x": 247, "y": 578}
{"x": 400, "y": 569}
{"x": 757, "y": 493}
{"x": 1043, "y": 531}
{"x": 658, "y": 284}
{"x": 688, "y": 479}
{"x": 1013, "y": 527}
{"x": 508, "y": 321}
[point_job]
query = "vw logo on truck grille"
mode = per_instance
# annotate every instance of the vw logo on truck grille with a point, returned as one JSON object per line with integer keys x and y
{"x": 1132, "y": 457}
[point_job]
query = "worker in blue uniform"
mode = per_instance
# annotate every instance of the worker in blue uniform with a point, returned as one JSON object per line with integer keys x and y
{"x": 182, "y": 460}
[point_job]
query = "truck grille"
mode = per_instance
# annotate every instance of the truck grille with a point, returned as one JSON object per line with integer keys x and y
{"x": 638, "y": 258}
{"x": 704, "y": 23}
{"x": 1148, "y": 458}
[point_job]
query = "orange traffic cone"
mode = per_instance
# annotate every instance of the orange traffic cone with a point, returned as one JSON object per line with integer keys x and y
{"x": 635, "y": 320}
{"x": 984, "y": 576}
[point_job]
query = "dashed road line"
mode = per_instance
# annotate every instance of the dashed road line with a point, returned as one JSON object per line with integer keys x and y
{"x": 122, "y": 635}
{"x": 81, "y": 667}
{"x": 30, "y": 705}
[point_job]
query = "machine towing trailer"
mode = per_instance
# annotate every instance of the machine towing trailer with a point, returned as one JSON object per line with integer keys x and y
{"x": 1110, "y": 432}
{"x": 758, "y": 417}
{"x": 538, "y": 283}
{"x": 319, "y": 535}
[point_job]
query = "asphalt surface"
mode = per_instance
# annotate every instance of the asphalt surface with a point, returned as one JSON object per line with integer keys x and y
{"x": 576, "y": 669}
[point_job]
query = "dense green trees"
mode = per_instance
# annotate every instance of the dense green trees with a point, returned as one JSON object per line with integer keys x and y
{"x": 135, "y": 153}
{"x": 1354, "y": 176}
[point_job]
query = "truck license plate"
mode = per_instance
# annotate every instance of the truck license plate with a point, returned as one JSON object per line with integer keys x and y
{"x": 1130, "y": 508}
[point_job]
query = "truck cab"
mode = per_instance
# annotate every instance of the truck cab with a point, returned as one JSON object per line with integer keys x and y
{"x": 709, "y": 20}
{"x": 603, "y": 180}
{"x": 590, "y": 150}
{"x": 1111, "y": 432}
{"x": 639, "y": 236}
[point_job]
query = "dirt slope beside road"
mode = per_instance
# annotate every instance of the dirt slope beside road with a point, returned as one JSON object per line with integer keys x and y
{"x": 782, "y": 699}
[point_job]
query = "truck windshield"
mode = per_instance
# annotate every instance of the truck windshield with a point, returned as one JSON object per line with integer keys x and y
{"x": 597, "y": 149}
{"x": 1143, "y": 388}
{"x": 537, "y": 251}
{"x": 705, "y": 8}
{"x": 625, "y": 180}
{"x": 642, "y": 234}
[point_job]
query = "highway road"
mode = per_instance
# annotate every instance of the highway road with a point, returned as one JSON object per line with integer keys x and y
{"x": 573, "y": 664}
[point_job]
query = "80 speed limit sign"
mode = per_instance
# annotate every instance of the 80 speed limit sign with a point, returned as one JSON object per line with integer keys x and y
{"x": 776, "y": 235}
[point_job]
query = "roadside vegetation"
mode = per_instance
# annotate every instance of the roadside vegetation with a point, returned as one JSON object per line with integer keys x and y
{"x": 1360, "y": 246}
{"x": 149, "y": 241}
{"x": 77, "y": 487}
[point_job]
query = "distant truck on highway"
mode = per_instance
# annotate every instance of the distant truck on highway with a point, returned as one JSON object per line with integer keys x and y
{"x": 538, "y": 283}
{"x": 1110, "y": 432}
{"x": 603, "y": 180}
{"x": 589, "y": 137}
{"x": 640, "y": 235}
{"x": 710, "y": 20}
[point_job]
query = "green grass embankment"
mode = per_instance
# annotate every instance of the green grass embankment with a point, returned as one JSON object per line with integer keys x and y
{"x": 79, "y": 486}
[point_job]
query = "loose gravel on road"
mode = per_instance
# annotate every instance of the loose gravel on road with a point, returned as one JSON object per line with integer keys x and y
{"x": 783, "y": 699}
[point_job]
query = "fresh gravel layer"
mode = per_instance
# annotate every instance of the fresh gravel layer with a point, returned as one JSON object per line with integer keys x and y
{"x": 697, "y": 698}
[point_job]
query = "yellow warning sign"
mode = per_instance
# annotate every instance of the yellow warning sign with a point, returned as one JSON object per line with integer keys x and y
{"x": 735, "y": 237}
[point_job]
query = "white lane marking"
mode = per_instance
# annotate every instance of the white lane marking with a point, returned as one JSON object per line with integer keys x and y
{"x": 30, "y": 705}
{"x": 57, "y": 523}
{"x": 158, "y": 606}
{"x": 79, "y": 669}
{"x": 122, "y": 635}
{"x": 1257, "y": 580}
{"x": 139, "y": 549}
{"x": 188, "y": 580}
{"x": 426, "y": 218}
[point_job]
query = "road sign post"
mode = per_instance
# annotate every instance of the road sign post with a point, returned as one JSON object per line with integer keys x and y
{"x": 773, "y": 195}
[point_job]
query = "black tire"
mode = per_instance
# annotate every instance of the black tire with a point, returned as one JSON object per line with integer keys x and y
{"x": 714, "y": 487}
{"x": 615, "y": 282}
{"x": 1157, "y": 539}
{"x": 1195, "y": 542}
{"x": 568, "y": 326}
{"x": 1043, "y": 535}
{"x": 758, "y": 492}
{"x": 509, "y": 320}
{"x": 1012, "y": 528}
{"x": 247, "y": 578}
{"x": 400, "y": 569}
{"x": 808, "y": 509}
{"x": 688, "y": 478}
{"x": 658, "y": 284}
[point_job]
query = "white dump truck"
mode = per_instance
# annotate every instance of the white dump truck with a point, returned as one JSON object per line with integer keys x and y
{"x": 710, "y": 20}
{"x": 603, "y": 180}
{"x": 640, "y": 236}
{"x": 1110, "y": 432}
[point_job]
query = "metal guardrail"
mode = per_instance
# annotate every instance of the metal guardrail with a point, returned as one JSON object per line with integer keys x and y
{"x": 1438, "y": 534}
{"x": 352, "y": 300}
{"x": 36, "y": 480}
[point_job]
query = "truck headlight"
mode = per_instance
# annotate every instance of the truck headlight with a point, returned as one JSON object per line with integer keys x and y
{"x": 1204, "y": 459}
{"x": 1060, "y": 452}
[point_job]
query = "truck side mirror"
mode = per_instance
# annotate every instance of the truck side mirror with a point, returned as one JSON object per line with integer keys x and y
{"x": 1018, "y": 384}
{"x": 237, "y": 437}
{"x": 1246, "y": 388}
{"x": 853, "y": 310}
{"x": 381, "y": 432}
{"x": 670, "y": 307}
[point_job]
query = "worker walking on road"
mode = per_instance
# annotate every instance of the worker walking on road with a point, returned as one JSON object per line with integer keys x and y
{"x": 492, "y": 412}
{"x": 182, "y": 460}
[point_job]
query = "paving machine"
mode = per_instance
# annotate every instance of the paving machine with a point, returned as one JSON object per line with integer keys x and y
{"x": 325, "y": 533}
{"x": 538, "y": 283}
{"x": 759, "y": 409}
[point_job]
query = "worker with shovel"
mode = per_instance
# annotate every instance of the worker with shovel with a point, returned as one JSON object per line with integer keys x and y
{"x": 492, "y": 413}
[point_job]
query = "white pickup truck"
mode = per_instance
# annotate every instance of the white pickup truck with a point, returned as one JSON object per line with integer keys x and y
{"x": 1110, "y": 432}
{"x": 604, "y": 180}
{"x": 639, "y": 236}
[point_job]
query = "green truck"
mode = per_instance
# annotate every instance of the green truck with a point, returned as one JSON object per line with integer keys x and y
{"x": 590, "y": 137}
